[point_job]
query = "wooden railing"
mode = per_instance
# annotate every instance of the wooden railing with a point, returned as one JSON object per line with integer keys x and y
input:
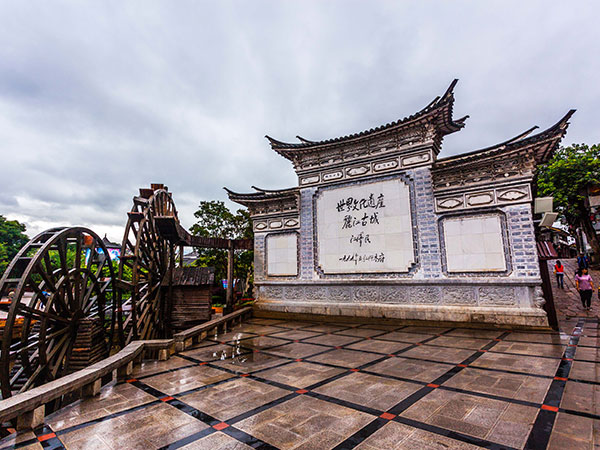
{"x": 29, "y": 407}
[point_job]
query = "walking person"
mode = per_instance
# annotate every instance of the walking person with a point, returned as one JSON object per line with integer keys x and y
{"x": 583, "y": 261}
{"x": 585, "y": 287}
{"x": 559, "y": 271}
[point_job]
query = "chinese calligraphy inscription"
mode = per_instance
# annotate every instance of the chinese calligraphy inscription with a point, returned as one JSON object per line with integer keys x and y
{"x": 365, "y": 228}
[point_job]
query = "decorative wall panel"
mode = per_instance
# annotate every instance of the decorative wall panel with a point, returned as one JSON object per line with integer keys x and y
{"x": 282, "y": 254}
{"x": 365, "y": 228}
{"x": 474, "y": 244}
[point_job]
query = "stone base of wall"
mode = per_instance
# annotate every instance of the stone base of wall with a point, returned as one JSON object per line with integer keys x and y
{"x": 425, "y": 315}
{"x": 515, "y": 304}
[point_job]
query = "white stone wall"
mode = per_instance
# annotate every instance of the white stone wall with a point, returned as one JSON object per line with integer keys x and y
{"x": 474, "y": 265}
{"x": 282, "y": 254}
{"x": 474, "y": 244}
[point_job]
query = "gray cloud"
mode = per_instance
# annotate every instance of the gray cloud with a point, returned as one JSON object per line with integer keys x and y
{"x": 98, "y": 99}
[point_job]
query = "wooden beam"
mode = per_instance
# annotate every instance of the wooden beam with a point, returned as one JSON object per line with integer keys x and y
{"x": 230, "y": 261}
{"x": 172, "y": 231}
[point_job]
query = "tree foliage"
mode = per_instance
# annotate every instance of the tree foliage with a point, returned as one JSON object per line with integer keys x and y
{"x": 566, "y": 177}
{"x": 216, "y": 220}
{"x": 12, "y": 238}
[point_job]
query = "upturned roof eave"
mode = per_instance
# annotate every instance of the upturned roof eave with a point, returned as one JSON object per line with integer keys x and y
{"x": 523, "y": 140}
{"x": 440, "y": 109}
{"x": 262, "y": 195}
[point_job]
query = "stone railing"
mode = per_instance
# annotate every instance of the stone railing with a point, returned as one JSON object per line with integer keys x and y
{"x": 29, "y": 407}
{"x": 191, "y": 336}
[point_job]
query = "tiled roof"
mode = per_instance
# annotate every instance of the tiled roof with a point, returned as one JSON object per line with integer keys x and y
{"x": 261, "y": 195}
{"x": 440, "y": 109}
{"x": 545, "y": 142}
{"x": 193, "y": 276}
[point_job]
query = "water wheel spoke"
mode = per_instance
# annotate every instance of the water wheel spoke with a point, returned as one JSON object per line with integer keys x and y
{"x": 32, "y": 378}
{"x": 17, "y": 375}
{"x": 149, "y": 309}
{"x": 90, "y": 305}
{"x": 26, "y": 364}
{"x": 143, "y": 265}
{"x": 36, "y": 313}
{"x": 61, "y": 346}
{"x": 61, "y": 349}
{"x": 88, "y": 300}
{"x": 130, "y": 246}
{"x": 57, "y": 301}
{"x": 101, "y": 265}
{"x": 146, "y": 309}
{"x": 48, "y": 269}
{"x": 77, "y": 262}
{"x": 147, "y": 321}
{"x": 149, "y": 262}
{"x": 148, "y": 290}
{"x": 33, "y": 341}
{"x": 47, "y": 276}
{"x": 150, "y": 244}
{"x": 62, "y": 254}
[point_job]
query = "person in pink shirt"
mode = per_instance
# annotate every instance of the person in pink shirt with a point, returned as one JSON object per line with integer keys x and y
{"x": 585, "y": 286}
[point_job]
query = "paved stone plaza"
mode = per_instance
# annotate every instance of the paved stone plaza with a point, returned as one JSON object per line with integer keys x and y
{"x": 567, "y": 301}
{"x": 278, "y": 384}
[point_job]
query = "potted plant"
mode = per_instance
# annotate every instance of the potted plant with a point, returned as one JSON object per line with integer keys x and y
{"x": 244, "y": 302}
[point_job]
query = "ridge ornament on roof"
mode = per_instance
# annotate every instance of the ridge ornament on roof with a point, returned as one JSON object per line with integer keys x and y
{"x": 438, "y": 112}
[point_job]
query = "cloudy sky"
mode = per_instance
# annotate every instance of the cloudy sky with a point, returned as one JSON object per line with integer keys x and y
{"x": 99, "y": 98}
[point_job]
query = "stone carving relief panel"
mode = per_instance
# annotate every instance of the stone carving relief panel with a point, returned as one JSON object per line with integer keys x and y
{"x": 513, "y": 194}
{"x": 317, "y": 293}
{"x": 271, "y": 292}
{"x": 294, "y": 293}
{"x": 485, "y": 198}
{"x": 500, "y": 169}
{"x": 459, "y": 296}
{"x": 424, "y": 294}
{"x": 485, "y": 296}
{"x": 277, "y": 223}
{"x": 310, "y": 179}
{"x": 340, "y": 293}
{"x": 385, "y": 165}
{"x": 367, "y": 168}
{"x": 393, "y": 294}
{"x": 413, "y": 160}
{"x": 358, "y": 170}
{"x": 496, "y": 295}
{"x": 365, "y": 294}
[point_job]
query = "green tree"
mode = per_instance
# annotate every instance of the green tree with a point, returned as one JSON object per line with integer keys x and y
{"x": 12, "y": 238}
{"x": 566, "y": 177}
{"x": 216, "y": 220}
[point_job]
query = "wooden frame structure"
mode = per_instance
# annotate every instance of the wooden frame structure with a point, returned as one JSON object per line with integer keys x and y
{"x": 64, "y": 306}
{"x": 172, "y": 231}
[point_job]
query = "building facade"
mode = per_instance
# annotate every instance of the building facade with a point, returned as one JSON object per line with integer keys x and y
{"x": 380, "y": 227}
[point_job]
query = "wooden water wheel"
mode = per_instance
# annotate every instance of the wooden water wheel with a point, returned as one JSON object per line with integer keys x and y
{"x": 145, "y": 270}
{"x": 58, "y": 300}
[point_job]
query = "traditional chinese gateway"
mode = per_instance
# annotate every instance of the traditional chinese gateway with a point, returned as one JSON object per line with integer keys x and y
{"x": 379, "y": 227}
